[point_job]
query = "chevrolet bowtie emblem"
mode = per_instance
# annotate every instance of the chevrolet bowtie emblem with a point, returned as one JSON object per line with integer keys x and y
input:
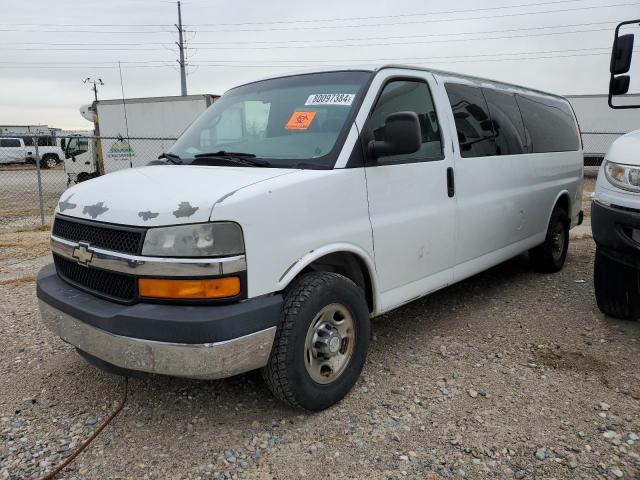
{"x": 82, "y": 254}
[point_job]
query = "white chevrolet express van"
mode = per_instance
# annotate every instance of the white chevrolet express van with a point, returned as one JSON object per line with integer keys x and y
{"x": 297, "y": 208}
{"x": 615, "y": 211}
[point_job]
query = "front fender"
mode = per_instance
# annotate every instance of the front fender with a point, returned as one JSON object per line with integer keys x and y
{"x": 303, "y": 262}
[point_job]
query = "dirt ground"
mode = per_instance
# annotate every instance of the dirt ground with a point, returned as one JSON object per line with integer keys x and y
{"x": 509, "y": 374}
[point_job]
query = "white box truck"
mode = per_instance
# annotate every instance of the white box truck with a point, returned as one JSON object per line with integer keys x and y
{"x": 132, "y": 133}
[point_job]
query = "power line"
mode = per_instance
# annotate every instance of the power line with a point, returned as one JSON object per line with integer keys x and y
{"x": 321, "y": 27}
{"x": 363, "y": 39}
{"x": 505, "y": 15}
{"x": 410, "y": 42}
{"x": 398, "y": 15}
{"x": 107, "y": 32}
{"x": 272, "y": 22}
{"x": 316, "y": 44}
{"x": 331, "y": 63}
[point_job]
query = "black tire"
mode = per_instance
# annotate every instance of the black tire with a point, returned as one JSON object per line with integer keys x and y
{"x": 49, "y": 161}
{"x": 286, "y": 373}
{"x": 549, "y": 257}
{"x": 617, "y": 288}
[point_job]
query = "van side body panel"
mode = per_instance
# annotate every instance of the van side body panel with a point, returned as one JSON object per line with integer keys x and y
{"x": 505, "y": 201}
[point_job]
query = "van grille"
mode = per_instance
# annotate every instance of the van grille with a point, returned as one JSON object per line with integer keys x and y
{"x": 113, "y": 285}
{"x": 117, "y": 239}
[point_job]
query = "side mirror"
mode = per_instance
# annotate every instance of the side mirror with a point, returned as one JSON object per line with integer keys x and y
{"x": 620, "y": 65}
{"x": 621, "y": 54}
{"x": 619, "y": 85}
{"x": 402, "y": 136}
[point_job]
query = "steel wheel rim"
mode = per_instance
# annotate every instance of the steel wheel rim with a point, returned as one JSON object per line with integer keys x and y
{"x": 558, "y": 241}
{"x": 322, "y": 364}
{"x": 50, "y": 162}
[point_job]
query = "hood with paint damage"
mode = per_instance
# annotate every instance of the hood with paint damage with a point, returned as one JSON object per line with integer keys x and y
{"x": 160, "y": 194}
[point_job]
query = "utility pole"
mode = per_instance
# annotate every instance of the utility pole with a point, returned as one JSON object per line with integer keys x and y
{"x": 95, "y": 85}
{"x": 180, "y": 43}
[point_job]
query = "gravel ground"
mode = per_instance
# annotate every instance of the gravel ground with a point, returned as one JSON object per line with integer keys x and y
{"x": 509, "y": 374}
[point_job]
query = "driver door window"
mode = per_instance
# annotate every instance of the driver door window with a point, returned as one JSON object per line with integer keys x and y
{"x": 407, "y": 96}
{"x": 77, "y": 146}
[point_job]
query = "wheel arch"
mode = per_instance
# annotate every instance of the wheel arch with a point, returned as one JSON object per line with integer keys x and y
{"x": 343, "y": 258}
{"x": 563, "y": 199}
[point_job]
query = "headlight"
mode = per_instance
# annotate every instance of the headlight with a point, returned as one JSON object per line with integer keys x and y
{"x": 218, "y": 239}
{"x": 626, "y": 177}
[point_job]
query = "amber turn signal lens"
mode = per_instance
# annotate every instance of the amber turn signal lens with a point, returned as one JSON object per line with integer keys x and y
{"x": 189, "y": 289}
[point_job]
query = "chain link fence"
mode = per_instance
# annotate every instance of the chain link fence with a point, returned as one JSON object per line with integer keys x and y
{"x": 36, "y": 170}
{"x": 596, "y": 145}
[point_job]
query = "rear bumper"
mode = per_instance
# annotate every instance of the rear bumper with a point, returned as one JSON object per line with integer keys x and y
{"x": 613, "y": 229}
{"x": 185, "y": 341}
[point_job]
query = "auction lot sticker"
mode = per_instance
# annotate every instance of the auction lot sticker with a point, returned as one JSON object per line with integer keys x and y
{"x": 300, "y": 121}
{"x": 330, "y": 99}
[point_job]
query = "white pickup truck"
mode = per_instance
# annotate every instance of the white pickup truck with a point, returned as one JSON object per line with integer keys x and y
{"x": 13, "y": 150}
{"x": 296, "y": 208}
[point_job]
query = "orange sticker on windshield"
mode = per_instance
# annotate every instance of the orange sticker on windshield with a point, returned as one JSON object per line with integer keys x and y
{"x": 300, "y": 121}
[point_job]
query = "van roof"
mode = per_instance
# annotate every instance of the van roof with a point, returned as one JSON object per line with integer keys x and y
{"x": 378, "y": 67}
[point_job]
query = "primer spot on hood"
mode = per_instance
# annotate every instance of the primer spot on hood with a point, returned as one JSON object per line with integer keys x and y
{"x": 148, "y": 215}
{"x": 65, "y": 204}
{"x": 184, "y": 210}
{"x": 94, "y": 211}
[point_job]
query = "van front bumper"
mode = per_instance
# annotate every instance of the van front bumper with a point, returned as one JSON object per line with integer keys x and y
{"x": 206, "y": 342}
{"x": 615, "y": 231}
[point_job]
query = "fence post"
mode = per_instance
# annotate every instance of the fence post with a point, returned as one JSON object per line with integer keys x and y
{"x": 40, "y": 195}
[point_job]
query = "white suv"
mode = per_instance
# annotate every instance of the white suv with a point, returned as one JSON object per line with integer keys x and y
{"x": 49, "y": 151}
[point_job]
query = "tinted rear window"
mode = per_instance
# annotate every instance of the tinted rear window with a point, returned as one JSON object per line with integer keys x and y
{"x": 507, "y": 122}
{"x": 549, "y": 123}
{"x": 473, "y": 123}
{"x": 9, "y": 142}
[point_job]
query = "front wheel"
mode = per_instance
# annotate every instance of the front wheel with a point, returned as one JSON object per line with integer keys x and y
{"x": 617, "y": 288}
{"x": 49, "y": 161}
{"x": 321, "y": 342}
{"x": 551, "y": 255}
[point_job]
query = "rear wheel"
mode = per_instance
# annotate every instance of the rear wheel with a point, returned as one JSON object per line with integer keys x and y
{"x": 321, "y": 342}
{"x": 48, "y": 161}
{"x": 617, "y": 288}
{"x": 549, "y": 257}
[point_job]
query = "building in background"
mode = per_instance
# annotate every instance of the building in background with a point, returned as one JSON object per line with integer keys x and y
{"x": 26, "y": 129}
{"x": 601, "y": 125}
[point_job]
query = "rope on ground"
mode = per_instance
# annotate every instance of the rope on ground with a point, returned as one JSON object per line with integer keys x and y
{"x": 85, "y": 444}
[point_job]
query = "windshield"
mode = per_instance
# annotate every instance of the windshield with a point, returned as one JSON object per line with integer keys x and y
{"x": 291, "y": 122}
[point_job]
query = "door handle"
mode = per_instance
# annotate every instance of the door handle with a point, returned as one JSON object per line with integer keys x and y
{"x": 451, "y": 184}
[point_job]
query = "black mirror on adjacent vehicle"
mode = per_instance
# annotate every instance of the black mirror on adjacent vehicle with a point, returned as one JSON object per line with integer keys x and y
{"x": 621, "y": 54}
{"x": 619, "y": 85}
{"x": 402, "y": 136}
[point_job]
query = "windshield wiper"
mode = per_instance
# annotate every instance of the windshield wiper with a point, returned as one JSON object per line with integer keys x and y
{"x": 240, "y": 158}
{"x": 225, "y": 153}
{"x": 171, "y": 157}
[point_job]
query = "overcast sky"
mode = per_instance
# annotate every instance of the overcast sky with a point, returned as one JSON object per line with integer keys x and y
{"x": 48, "y": 48}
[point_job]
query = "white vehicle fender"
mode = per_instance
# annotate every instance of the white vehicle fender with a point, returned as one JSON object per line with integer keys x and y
{"x": 303, "y": 262}
{"x": 555, "y": 201}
